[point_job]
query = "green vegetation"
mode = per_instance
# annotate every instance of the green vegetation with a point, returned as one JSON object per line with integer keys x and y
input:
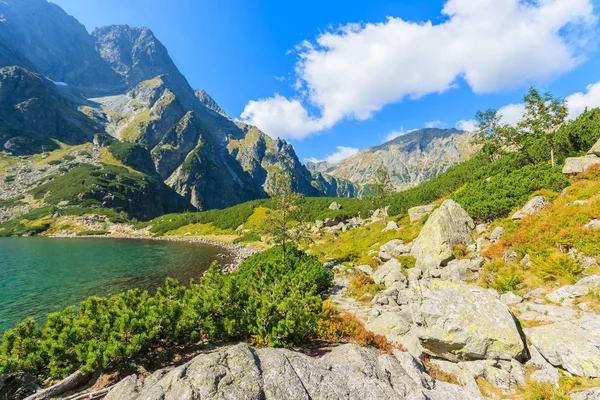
{"x": 286, "y": 223}
{"x": 39, "y": 220}
{"x": 247, "y": 238}
{"x": 513, "y": 177}
{"x": 132, "y": 155}
{"x": 382, "y": 190}
{"x": 269, "y": 301}
{"x": 92, "y": 233}
{"x": 496, "y": 197}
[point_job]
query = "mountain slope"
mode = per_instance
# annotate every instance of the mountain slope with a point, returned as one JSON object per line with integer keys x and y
{"x": 120, "y": 81}
{"x": 411, "y": 159}
{"x": 32, "y": 112}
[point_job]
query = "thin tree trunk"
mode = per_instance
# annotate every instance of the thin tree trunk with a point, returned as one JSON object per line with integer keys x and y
{"x": 552, "y": 156}
{"x": 71, "y": 382}
{"x": 90, "y": 395}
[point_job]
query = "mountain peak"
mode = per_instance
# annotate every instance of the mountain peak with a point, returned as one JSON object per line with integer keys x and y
{"x": 209, "y": 102}
{"x": 134, "y": 53}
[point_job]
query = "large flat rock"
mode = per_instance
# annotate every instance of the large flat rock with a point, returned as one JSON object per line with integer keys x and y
{"x": 464, "y": 322}
{"x": 571, "y": 345}
{"x": 241, "y": 373}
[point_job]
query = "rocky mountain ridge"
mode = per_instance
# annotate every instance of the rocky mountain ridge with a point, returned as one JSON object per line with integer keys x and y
{"x": 411, "y": 159}
{"x": 120, "y": 82}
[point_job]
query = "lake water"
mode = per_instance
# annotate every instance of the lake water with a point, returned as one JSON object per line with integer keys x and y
{"x": 39, "y": 276}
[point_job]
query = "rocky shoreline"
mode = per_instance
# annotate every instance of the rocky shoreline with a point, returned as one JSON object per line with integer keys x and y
{"x": 238, "y": 252}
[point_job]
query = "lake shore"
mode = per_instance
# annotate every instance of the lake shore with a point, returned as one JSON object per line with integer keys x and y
{"x": 239, "y": 252}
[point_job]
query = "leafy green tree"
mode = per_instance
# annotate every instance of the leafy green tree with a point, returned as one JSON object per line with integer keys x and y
{"x": 544, "y": 115}
{"x": 382, "y": 190}
{"x": 286, "y": 223}
{"x": 495, "y": 136}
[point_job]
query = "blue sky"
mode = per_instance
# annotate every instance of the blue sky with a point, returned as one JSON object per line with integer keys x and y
{"x": 434, "y": 63}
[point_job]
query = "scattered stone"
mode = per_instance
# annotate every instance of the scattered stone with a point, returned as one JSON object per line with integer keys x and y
{"x": 482, "y": 228}
{"x": 593, "y": 224}
{"x": 482, "y": 242}
{"x": 389, "y": 323}
{"x": 568, "y": 292}
{"x": 509, "y": 256}
{"x": 391, "y": 226}
{"x": 497, "y": 233}
{"x": 403, "y": 297}
{"x": 416, "y": 214}
{"x": 414, "y": 274}
{"x": 587, "y": 394}
{"x": 335, "y": 206}
{"x": 365, "y": 269}
{"x": 577, "y": 165}
{"x": 532, "y": 207}
{"x": 457, "y": 271}
{"x": 587, "y": 262}
{"x": 546, "y": 375}
{"x": 464, "y": 322}
{"x": 592, "y": 282}
{"x": 395, "y": 248}
{"x": 390, "y": 274}
{"x": 384, "y": 256}
{"x": 447, "y": 226}
{"x": 509, "y": 298}
{"x": 463, "y": 376}
{"x": 526, "y": 261}
{"x": 435, "y": 273}
{"x": 579, "y": 203}
{"x": 534, "y": 293}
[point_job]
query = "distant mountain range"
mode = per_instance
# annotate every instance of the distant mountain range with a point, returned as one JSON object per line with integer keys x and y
{"x": 59, "y": 83}
{"x": 410, "y": 159}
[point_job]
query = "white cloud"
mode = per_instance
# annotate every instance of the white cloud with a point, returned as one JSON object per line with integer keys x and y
{"x": 278, "y": 116}
{"x": 341, "y": 154}
{"x": 396, "y": 133}
{"x": 577, "y": 102}
{"x": 435, "y": 124}
{"x": 511, "y": 113}
{"x": 493, "y": 45}
{"x": 468, "y": 125}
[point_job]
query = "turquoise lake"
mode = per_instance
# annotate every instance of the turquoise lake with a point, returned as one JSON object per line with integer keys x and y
{"x": 39, "y": 276}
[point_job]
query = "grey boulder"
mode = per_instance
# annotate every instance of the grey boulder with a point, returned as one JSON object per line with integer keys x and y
{"x": 447, "y": 226}
{"x": 532, "y": 207}
{"x": 417, "y": 213}
{"x": 464, "y": 322}
{"x": 571, "y": 345}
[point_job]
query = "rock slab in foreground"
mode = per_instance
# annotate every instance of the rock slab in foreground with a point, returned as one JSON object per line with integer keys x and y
{"x": 447, "y": 226}
{"x": 240, "y": 372}
{"x": 464, "y": 322}
{"x": 572, "y": 345}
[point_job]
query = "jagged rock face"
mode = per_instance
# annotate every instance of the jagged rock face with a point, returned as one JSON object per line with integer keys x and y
{"x": 240, "y": 372}
{"x": 121, "y": 81}
{"x": 54, "y": 43}
{"x": 318, "y": 166}
{"x": 133, "y": 53}
{"x": 209, "y": 103}
{"x": 32, "y": 111}
{"x": 411, "y": 159}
